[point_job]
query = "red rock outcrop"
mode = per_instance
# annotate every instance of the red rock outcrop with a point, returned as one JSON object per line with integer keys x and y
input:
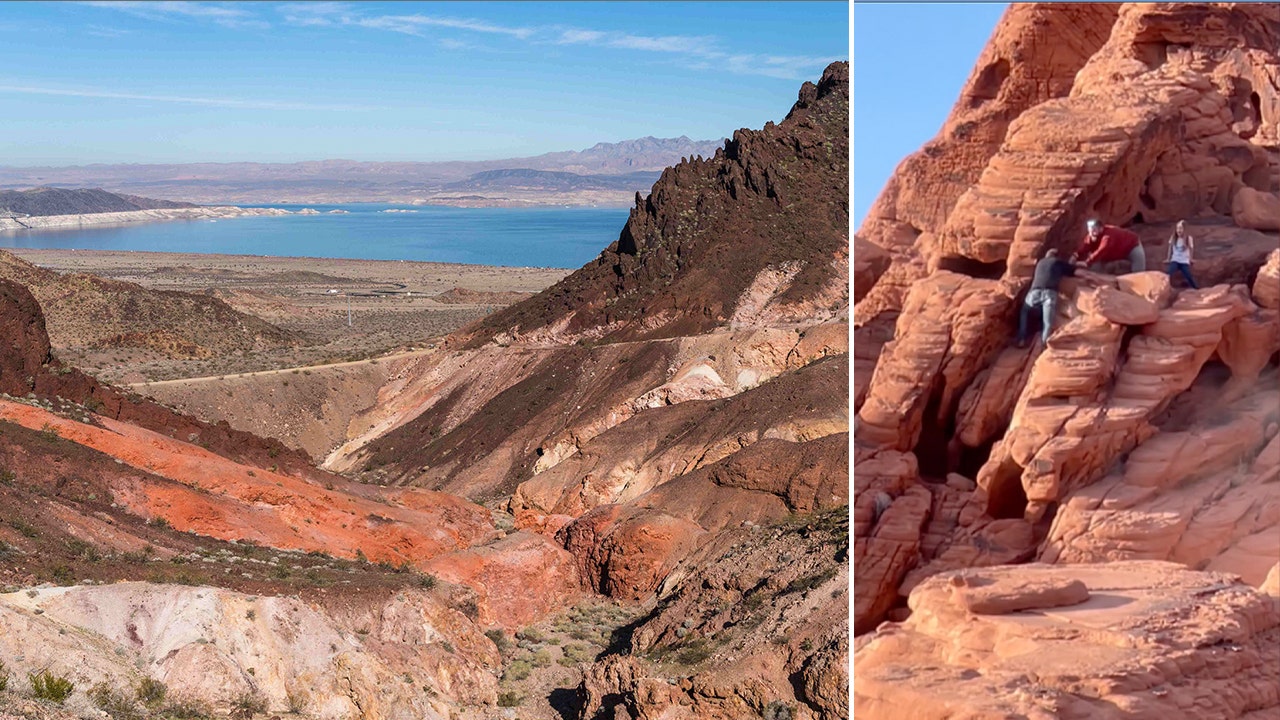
{"x": 978, "y": 453}
{"x": 1115, "y": 640}
{"x": 1033, "y": 56}
{"x": 24, "y": 344}
{"x": 754, "y": 624}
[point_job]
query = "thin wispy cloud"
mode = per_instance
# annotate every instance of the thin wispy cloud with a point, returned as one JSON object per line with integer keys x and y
{"x": 187, "y": 100}
{"x": 107, "y": 32}
{"x": 702, "y": 53}
{"x": 329, "y": 14}
{"x": 696, "y": 52}
{"x": 417, "y": 25}
{"x": 679, "y": 44}
{"x": 218, "y": 13}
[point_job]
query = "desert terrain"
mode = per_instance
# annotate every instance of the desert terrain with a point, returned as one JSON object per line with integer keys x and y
{"x": 394, "y": 306}
{"x": 618, "y": 492}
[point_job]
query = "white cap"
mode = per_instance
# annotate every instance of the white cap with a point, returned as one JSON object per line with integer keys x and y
{"x": 1091, "y": 224}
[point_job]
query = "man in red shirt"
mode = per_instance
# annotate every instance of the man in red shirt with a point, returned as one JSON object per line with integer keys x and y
{"x": 1107, "y": 243}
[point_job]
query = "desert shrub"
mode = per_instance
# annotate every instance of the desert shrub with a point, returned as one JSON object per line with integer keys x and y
{"x": 7, "y": 477}
{"x": 4, "y": 676}
{"x": 248, "y": 705}
{"x": 151, "y": 691}
{"x": 426, "y": 581}
{"x": 519, "y": 670}
{"x": 574, "y": 654}
{"x": 510, "y": 699}
{"x": 776, "y": 710}
{"x": 531, "y": 634}
{"x": 83, "y": 550}
{"x": 499, "y": 638}
{"x": 541, "y": 659}
{"x": 692, "y": 654}
{"x": 63, "y": 575}
{"x": 809, "y": 582}
{"x": 47, "y": 686}
{"x": 116, "y": 705}
{"x": 26, "y": 528}
{"x": 298, "y": 702}
{"x": 186, "y": 709}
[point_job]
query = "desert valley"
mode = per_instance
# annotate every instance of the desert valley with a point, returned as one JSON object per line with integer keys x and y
{"x": 505, "y": 493}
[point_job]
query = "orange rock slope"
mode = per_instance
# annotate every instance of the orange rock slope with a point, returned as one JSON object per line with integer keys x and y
{"x": 1147, "y": 429}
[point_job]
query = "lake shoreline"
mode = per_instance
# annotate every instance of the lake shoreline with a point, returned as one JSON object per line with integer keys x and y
{"x": 129, "y": 217}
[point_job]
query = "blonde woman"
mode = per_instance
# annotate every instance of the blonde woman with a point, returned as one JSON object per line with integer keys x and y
{"x": 1179, "y": 254}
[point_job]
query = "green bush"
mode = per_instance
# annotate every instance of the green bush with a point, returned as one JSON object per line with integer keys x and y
{"x": 499, "y": 638}
{"x": 531, "y": 634}
{"x": 151, "y": 691}
{"x": 116, "y": 705}
{"x": 47, "y": 686}
{"x": 186, "y": 710}
{"x": 510, "y": 699}
{"x": 248, "y": 705}
{"x": 519, "y": 670}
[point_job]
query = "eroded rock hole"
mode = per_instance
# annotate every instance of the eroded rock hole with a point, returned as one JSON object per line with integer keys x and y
{"x": 931, "y": 450}
{"x": 972, "y": 459}
{"x": 973, "y": 268}
{"x": 1153, "y": 54}
{"x": 1005, "y": 497}
{"x": 989, "y": 82}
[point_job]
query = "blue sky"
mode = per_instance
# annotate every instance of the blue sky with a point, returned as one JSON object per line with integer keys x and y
{"x": 910, "y": 62}
{"x": 282, "y": 82}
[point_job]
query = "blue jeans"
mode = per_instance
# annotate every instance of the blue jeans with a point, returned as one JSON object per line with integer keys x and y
{"x": 1047, "y": 301}
{"x": 1185, "y": 269}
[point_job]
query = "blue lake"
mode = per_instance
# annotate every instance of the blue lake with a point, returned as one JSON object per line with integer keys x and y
{"x": 521, "y": 237}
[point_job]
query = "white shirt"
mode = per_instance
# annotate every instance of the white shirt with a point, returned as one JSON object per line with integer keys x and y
{"x": 1181, "y": 252}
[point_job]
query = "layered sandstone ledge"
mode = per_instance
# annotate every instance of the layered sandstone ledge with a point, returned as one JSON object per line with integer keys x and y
{"x": 1112, "y": 640}
{"x": 64, "y": 222}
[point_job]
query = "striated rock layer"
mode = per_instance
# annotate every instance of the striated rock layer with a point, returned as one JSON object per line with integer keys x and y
{"x": 1144, "y": 429}
{"x": 1113, "y": 640}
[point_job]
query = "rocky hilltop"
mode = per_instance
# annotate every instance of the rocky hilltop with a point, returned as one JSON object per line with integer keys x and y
{"x": 1146, "y": 430}
{"x": 84, "y": 312}
{"x": 61, "y": 201}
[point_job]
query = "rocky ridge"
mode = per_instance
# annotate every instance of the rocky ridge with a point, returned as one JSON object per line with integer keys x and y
{"x": 86, "y": 312}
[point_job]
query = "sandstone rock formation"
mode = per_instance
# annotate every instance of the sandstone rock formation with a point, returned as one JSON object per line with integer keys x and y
{"x": 1111, "y": 640}
{"x": 753, "y": 625}
{"x": 1145, "y": 429}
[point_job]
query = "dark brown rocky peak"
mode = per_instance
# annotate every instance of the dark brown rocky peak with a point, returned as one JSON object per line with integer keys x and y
{"x": 24, "y": 344}
{"x": 773, "y": 199}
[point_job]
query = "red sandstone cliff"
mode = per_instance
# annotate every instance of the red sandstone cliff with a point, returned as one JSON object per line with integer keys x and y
{"x": 1144, "y": 431}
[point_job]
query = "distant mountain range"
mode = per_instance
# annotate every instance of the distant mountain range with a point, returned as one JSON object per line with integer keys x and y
{"x": 629, "y": 166}
{"x": 60, "y": 201}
